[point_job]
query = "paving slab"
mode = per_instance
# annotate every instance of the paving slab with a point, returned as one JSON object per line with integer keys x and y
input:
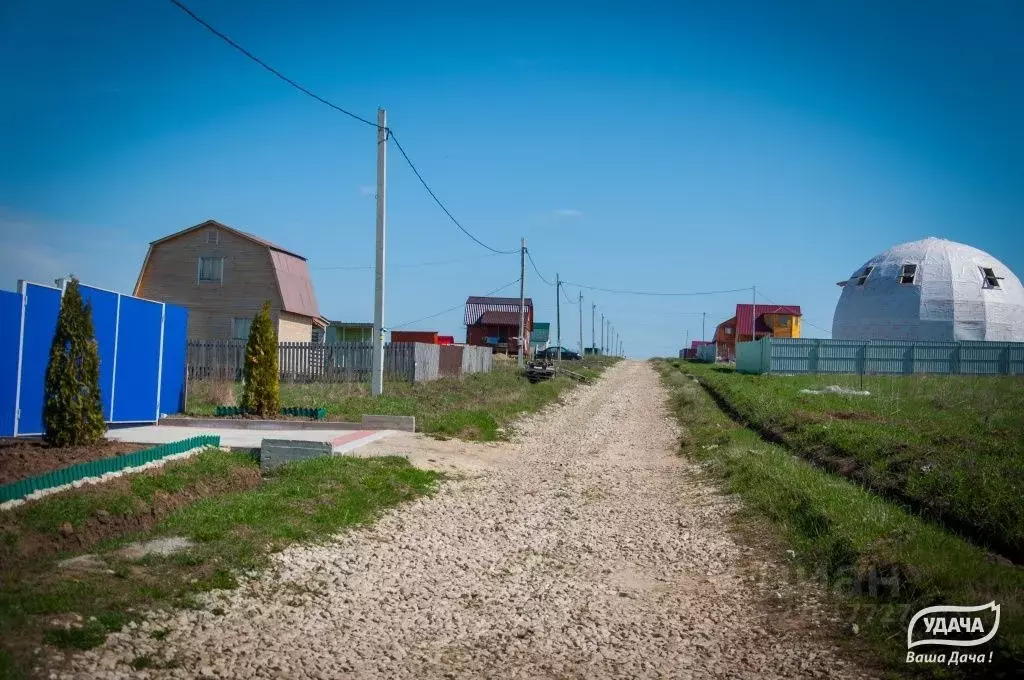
{"x": 341, "y": 441}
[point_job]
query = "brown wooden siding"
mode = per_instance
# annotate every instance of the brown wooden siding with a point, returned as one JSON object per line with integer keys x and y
{"x": 171, "y": 275}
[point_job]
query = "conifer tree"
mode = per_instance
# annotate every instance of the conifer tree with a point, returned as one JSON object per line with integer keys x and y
{"x": 72, "y": 410}
{"x": 261, "y": 391}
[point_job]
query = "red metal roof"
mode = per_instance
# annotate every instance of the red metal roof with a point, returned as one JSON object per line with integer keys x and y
{"x": 500, "y": 318}
{"x": 476, "y": 306}
{"x": 293, "y": 280}
{"x": 743, "y": 316}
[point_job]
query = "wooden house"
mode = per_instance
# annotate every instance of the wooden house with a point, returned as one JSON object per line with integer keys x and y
{"x": 755, "y": 322}
{"x": 223, "y": 276}
{"x": 494, "y": 322}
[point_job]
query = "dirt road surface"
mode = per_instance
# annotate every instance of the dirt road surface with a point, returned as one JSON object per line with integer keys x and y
{"x": 584, "y": 548}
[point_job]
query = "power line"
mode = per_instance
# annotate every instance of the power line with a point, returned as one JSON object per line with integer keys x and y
{"x": 267, "y": 66}
{"x": 407, "y": 266}
{"x": 571, "y": 302}
{"x": 310, "y": 93}
{"x": 640, "y": 292}
{"x": 454, "y": 307}
{"x": 438, "y": 200}
{"x": 536, "y": 269}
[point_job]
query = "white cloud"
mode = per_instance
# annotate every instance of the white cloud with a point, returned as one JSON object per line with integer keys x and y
{"x": 569, "y": 213}
{"x": 365, "y": 190}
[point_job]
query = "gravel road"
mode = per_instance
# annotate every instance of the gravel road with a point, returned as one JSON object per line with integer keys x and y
{"x": 588, "y": 550}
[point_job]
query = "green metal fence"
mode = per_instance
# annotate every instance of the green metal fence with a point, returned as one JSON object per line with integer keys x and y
{"x": 811, "y": 355}
{"x": 298, "y": 411}
{"x": 96, "y": 468}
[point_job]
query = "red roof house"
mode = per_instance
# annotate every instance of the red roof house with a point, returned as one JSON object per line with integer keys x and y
{"x": 494, "y": 322}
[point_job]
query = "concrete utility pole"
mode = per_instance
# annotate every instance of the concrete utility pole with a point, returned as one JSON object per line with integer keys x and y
{"x": 593, "y": 337}
{"x": 558, "y": 315}
{"x": 753, "y": 317}
{"x": 581, "y": 325}
{"x": 377, "y": 355}
{"x": 602, "y": 333}
{"x": 703, "y": 316}
{"x": 522, "y": 301}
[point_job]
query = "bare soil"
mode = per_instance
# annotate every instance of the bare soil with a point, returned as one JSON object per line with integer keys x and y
{"x": 23, "y": 458}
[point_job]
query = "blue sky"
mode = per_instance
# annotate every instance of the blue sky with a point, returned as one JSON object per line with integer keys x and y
{"x": 686, "y": 146}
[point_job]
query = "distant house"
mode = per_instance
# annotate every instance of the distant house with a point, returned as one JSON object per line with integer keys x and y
{"x": 540, "y": 337}
{"x": 425, "y": 337}
{"x": 754, "y": 323}
{"x": 338, "y": 332}
{"x": 223, "y": 276}
{"x": 494, "y": 322}
{"x": 691, "y": 351}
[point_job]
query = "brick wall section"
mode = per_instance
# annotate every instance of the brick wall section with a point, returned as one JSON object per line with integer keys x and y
{"x": 276, "y": 452}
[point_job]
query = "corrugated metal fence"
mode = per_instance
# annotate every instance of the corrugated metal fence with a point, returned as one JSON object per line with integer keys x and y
{"x": 343, "y": 362}
{"x": 809, "y": 355}
{"x": 707, "y": 353}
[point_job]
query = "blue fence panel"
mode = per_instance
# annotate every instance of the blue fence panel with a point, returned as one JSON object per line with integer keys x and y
{"x": 10, "y": 335}
{"x": 172, "y": 371}
{"x": 104, "y": 323}
{"x": 41, "y": 310}
{"x": 138, "y": 361}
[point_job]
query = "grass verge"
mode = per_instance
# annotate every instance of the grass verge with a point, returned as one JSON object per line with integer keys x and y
{"x": 475, "y": 407}
{"x": 880, "y": 563}
{"x": 951, "y": 447}
{"x": 234, "y": 531}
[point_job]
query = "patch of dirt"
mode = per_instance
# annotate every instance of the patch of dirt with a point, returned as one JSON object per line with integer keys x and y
{"x": 855, "y": 415}
{"x": 27, "y": 544}
{"x": 22, "y": 458}
{"x": 157, "y": 546}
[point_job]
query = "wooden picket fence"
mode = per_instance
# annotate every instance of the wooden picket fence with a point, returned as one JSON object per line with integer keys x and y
{"x": 302, "y": 361}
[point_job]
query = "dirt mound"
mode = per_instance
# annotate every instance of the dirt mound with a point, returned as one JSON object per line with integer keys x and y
{"x": 22, "y": 458}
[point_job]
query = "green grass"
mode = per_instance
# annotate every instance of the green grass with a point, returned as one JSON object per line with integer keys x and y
{"x": 207, "y": 468}
{"x": 476, "y": 407}
{"x": 233, "y": 531}
{"x": 952, "y": 447}
{"x": 849, "y": 537}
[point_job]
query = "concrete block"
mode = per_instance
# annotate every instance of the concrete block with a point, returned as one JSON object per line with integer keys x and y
{"x": 401, "y": 423}
{"x": 276, "y": 452}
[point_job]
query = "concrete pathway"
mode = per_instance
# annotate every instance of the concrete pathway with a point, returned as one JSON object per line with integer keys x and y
{"x": 342, "y": 441}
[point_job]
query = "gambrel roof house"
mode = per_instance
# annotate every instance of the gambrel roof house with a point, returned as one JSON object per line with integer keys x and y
{"x": 223, "y": 275}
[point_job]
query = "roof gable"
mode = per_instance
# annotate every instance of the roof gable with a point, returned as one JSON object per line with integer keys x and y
{"x": 743, "y": 315}
{"x": 476, "y": 306}
{"x": 238, "y": 232}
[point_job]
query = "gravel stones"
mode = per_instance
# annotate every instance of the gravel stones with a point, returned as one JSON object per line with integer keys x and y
{"x": 589, "y": 549}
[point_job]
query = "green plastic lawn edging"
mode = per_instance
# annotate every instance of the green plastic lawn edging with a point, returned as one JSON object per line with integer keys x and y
{"x": 96, "y": 468}
{"x": 299, "y": 411}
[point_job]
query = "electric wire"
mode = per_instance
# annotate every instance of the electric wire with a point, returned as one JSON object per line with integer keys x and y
{"x": 310, "y": 93}
{"x": 657, "y": 294}
{"x": 454, "y": 307}
{"x": 802, "y": 318}
{"x": 534, "y": 265}
{"x": 437, "y": 200}
{"x": 405, "y": 266}
{"x": 267, "y": 66}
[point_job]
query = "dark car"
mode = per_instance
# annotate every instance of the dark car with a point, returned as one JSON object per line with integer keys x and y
{"x": 552, "y": 353}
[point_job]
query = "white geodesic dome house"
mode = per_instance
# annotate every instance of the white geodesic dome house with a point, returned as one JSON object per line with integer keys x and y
{"x": 931, "y": 290}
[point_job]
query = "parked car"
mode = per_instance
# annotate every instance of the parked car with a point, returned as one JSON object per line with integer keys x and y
{"x": 552, "y": 353}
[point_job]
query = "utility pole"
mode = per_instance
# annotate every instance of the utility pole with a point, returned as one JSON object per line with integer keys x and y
{"x": 558, "y": 315}
{"x": 753, "y": 317}
{"x": 593, "y": 338}
{"x": 581, "y": 325}
{"x": 703, "y": 316}
{"x": 377, "y": 354}
{"x": 522, "y": 301}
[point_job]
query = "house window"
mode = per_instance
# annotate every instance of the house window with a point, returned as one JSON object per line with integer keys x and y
{"x": 211, "y": 269}
{"x": 865, "y": 274}
{"x": 991, "y": 280}
{"x": 782, "y": 320}
{"x": 318, "y": 336}
{"x": 241, "y": 328}
{"x": 908, "y": 274}
{"x": 213, "y": 236}
{"x": 728, "y": 331}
